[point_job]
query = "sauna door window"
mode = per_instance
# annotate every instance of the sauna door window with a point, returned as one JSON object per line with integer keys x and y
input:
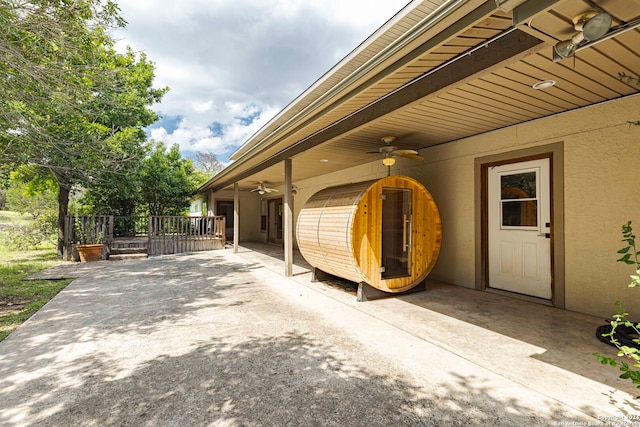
{"x": 396, "y": 232}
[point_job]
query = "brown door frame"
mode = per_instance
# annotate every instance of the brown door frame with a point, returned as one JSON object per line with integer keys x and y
{"x": 278, "y": 239}
{"x": 228, "y": 203}
{"x": 554, "y": 152}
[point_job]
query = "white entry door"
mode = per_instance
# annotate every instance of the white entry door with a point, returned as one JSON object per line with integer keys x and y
{"x": 520, "y": 228}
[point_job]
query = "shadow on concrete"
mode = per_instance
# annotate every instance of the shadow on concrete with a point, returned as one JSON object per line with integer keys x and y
{"x": 133, "y": 297}
{"x": 466, "y": 321}
{"x": 565, "y": 339}
{"x": 286, "y": 380}
{"x": 79, "y": 360}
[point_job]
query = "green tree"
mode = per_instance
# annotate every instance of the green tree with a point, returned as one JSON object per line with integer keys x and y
{"x": 34, "y": 197}
{"x": 71, "y": 105}
{"x": 167, "y": 181}
{"x": 115, "y": 193}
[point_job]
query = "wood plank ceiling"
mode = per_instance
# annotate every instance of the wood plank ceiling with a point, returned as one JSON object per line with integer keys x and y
{"x": 500, "y": 96}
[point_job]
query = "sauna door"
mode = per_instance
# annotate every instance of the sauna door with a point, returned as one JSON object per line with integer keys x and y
{"x": 274, "y": 221}
{"x": 396, "y": 232}
{"x": 520, "y": 228}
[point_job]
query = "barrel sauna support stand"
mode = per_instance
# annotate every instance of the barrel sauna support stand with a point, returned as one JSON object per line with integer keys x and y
{"x": 367, "y": 292}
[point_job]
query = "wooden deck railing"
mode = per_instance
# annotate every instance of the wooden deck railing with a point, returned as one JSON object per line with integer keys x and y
{"x": 165, "y": 234}
{"x": 178, "y": 234}
{"x": 87, "y": 229}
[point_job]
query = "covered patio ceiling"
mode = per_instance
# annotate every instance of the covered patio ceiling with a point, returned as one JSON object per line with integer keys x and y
{"x": 439, "y": 72}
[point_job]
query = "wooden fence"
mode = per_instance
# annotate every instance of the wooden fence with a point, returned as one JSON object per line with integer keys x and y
{"x": 179, "y": 234}
{"x": 163, "y": 234}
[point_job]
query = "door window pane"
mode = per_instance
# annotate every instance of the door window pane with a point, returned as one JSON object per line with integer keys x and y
{"x": 520, "y": 213}
{"x": 518, "y": 186}
{"x": 518, "y": 199}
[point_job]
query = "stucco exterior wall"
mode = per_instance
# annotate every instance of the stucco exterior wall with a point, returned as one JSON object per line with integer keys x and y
{"x": 600, "y": 152}
{"x": 249, "y": 213}
{"x": 602, "y": 191}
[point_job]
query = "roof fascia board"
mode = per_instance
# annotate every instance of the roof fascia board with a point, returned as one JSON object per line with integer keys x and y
{"x": 437, "y": 16}
{"x": 450, "y": 31}
{"x": 509, "y": 45}
{"x": 431, "y": 20}
{"x": 350, "y": 56}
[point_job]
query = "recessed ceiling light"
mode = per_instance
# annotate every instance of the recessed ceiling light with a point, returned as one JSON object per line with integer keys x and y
{"x": 544, "y": 84}
{"x": 324, "y": 161}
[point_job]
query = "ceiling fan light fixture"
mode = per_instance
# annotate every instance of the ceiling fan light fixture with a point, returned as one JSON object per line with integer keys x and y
{"x": 263, "y": 189}
{"x": 388, "y": 161}
{"x": 388, "y": 139}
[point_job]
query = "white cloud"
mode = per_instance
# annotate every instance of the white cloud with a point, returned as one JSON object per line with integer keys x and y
{"x": 226, "y": 60}
{"x": 192, "y": 137}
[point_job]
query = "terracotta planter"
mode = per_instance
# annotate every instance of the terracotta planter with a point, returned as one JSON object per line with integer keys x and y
{"x": 89, "y": 253}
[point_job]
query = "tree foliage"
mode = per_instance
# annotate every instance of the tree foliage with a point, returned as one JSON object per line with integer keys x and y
{"x": 162, "y": 183}
{"x": 166, "y": 181}
{"x": 69, "y": 103}
{"x": 30, "y": 194}
{"x": 49, "y": 59}
{"x": 31, "y": 197}
{"x": 116, "y": 193}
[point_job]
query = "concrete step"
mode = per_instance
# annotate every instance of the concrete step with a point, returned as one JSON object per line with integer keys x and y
{"x": 131, "y": 250}
{"x": 118, "y": 245}
{"x": 130, "y": 243}
{"x": 127, "y": 257}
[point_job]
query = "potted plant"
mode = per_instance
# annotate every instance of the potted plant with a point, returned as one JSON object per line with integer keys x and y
{"x": 88, "y": 239}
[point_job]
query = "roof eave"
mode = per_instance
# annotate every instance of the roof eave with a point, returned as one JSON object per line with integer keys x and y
{"x": 257, "y": 141}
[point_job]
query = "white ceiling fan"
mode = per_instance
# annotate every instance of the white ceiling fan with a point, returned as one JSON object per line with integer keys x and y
{"x": 262, "y": 188}
{"x": 391, "y": 151}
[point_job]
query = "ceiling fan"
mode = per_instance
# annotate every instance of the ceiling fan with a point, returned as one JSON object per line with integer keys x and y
{"x": 261, "y": 188}
{"x": 391, "y": 151}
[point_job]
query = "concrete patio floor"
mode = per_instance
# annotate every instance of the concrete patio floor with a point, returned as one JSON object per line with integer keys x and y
{"x": 223, "y": 339}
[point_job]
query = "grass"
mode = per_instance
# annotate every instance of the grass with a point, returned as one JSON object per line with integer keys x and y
{"x": 14, "y": 218}
{"x": 20, "y": 299}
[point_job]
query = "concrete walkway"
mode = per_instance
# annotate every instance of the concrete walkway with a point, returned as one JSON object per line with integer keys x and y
{"x": 223, "y": 339}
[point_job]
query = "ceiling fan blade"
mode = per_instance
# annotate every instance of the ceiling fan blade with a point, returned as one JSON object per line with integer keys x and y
{"x": 403, "y": 152}
{"x": 409, "y": 156}
{"x": 269, "y": 190}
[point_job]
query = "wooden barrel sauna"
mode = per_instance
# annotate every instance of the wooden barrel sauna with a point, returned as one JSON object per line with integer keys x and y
{"x": 385, "y": 233}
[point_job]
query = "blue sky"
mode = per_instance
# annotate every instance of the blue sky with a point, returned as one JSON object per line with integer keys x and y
{"x": 231, "y": 65}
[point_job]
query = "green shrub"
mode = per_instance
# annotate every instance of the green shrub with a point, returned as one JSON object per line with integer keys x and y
{"x": 630, "y": 256}
{"x": 31, "y": 234}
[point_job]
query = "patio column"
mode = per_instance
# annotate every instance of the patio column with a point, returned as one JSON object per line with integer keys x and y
{"x": 288, "y": 220}
{"x": 236, "y": 216}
